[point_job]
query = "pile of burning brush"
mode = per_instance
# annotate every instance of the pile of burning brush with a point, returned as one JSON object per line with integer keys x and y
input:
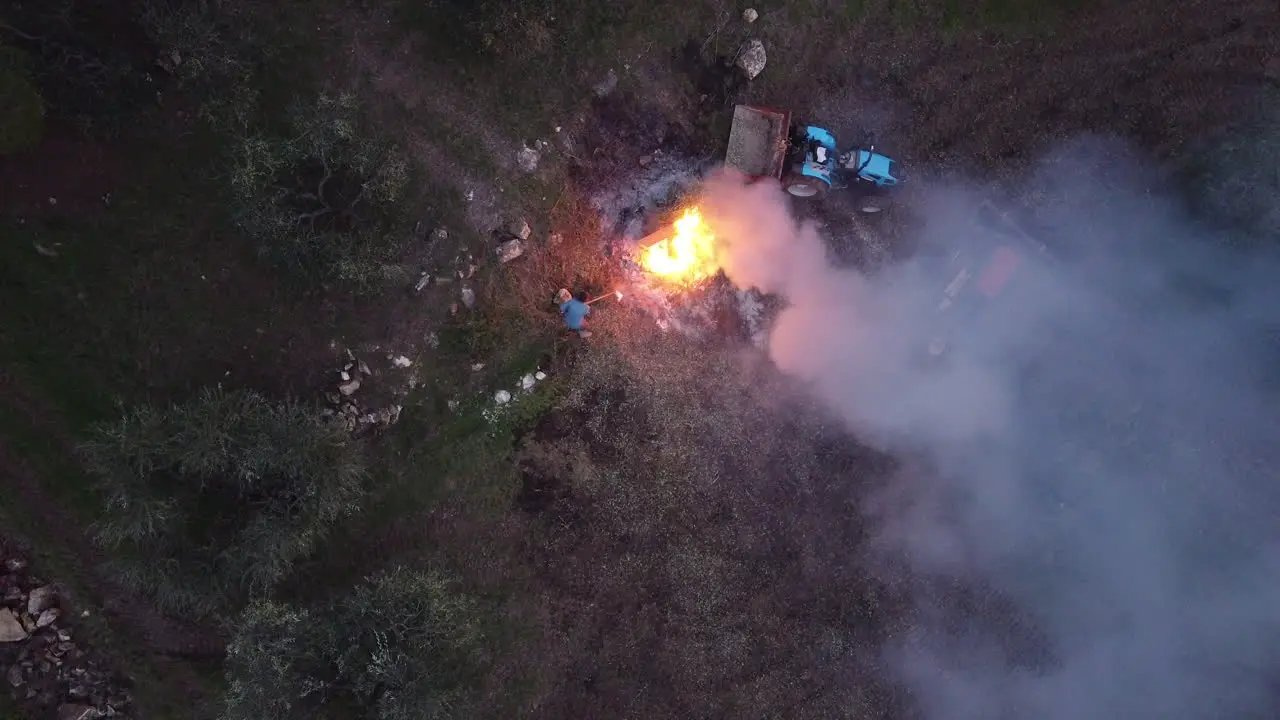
{"x": 681, "y": 256}
{"x": 673, "y": 276}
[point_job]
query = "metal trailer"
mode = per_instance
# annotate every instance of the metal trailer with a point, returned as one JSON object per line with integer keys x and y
{"x": 759, "y": 141}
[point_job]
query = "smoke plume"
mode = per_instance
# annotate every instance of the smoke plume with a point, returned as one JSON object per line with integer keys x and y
{"x": 1095, "y": 459}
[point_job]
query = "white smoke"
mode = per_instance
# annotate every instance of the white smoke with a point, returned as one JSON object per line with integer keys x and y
{"x": 1101, "y": 450}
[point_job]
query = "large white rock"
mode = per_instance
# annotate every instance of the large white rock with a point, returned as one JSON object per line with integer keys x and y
{"x": 10, "y": 629}
{"x": 751, "y": 58}
{"x": 528, "y": 159}
{"x": 750, "y": 15}
{"x": 510, "y": 250}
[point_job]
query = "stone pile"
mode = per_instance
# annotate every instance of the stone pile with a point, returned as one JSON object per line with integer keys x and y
{"x": 347, "y": 410}
{"x": 46, "y": 669}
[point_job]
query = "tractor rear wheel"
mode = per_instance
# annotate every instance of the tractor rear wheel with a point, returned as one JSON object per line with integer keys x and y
{"x": 803, "y": 186}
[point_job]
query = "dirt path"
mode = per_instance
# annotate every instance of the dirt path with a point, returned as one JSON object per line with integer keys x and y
{"x": 446, "y": 131}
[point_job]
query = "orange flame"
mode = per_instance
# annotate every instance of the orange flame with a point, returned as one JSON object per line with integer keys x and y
{"x": 688, "y": 256}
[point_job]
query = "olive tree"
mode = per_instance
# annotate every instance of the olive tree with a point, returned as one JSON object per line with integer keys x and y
{"x": 320, "y": 196}
{"x": 210, "y": 503}
{"x": 402, "y": 645}
{"x": 211, "y": 48}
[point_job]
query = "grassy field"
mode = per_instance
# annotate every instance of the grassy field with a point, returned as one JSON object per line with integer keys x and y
{"x": 660, "y": 528}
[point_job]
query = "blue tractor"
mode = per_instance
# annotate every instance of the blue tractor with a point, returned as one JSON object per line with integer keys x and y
{"x": 815, "y": 165}
{"x": 805, "y": 158}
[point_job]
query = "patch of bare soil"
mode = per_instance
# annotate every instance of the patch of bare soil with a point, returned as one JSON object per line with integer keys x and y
{"x": 448, "y": 130}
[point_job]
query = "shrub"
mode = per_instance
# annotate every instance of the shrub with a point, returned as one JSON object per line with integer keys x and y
{"x": 320, "y": 197}
{"x": 402, "y": 645}
{"x": 211, "y": 49}
{"x": 210, "y": 503}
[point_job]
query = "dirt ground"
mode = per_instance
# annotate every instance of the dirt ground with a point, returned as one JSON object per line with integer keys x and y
{"x": 731, "y": 585}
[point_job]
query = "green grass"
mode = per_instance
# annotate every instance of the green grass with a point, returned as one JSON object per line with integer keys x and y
{"x": 88, "y": 313}
{"x": 560, "y": 48}
{"x": 454, "y": 441}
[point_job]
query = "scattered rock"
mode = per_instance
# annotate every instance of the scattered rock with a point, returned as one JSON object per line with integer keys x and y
{"x": 345, "y": 375}
{"x": 349, "y": 388}
{"x": 477, "y": 367}
{"x": 433, "y": 340}
{"x": 527, "y": 159}
{"x": 423, "y": 281}
{"x": 401, "y": 361}
{"x": 502, "y": 397}
{"x": 539, "y": 376}
{"x": 363, "y": 367}
{"x": 554, "y": 239}
{"x": 520, "y": 229}
{"x": 10, "y": 629}
{"x": 52, "y": 675}
{"x": 527, "y": 382}
{"x": 750, "y": 15}
{"x": 439, "y": 235}
{"x": 468, "y": 297}
{"x": 510, "y": 250}
{"x": 606, "y": 86}
{"x": 40, "y": 599}
{"x": 751, "y": 58}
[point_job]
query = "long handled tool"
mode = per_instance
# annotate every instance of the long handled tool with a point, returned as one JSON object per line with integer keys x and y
{"x": 617, "y": 294}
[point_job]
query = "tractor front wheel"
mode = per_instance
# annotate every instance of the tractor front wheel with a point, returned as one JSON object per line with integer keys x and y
{"x": 803, "y": 186}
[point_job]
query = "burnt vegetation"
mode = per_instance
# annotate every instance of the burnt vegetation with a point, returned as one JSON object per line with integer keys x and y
{"x": 219, "y": 216}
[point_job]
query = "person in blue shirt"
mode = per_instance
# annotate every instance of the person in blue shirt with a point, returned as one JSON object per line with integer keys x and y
{"x": 574, "y": 310}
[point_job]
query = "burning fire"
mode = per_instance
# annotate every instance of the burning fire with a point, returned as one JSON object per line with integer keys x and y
{"x": 686, "y": 257}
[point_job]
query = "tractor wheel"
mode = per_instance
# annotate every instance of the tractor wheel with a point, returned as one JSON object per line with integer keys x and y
{"x": 803, "y": 186}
